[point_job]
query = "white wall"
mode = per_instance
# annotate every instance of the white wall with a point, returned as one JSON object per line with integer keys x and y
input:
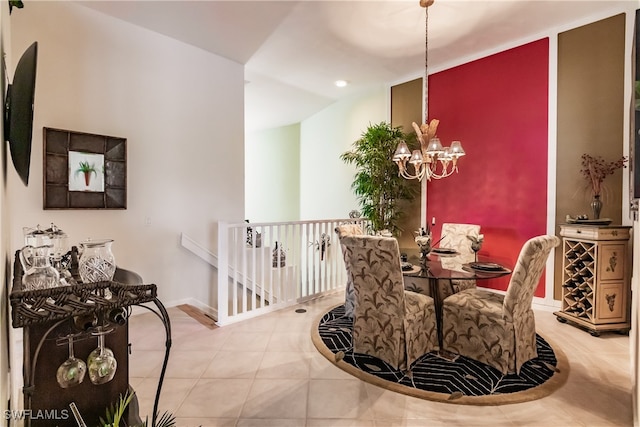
{"x": 325, "y": 180}
{"x": 272, "y": 172}
{"x": 181, "y": 110}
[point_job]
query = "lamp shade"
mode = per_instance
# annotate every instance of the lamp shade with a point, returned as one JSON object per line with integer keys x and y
{"x": 435, "y": 146}
{"x": 416, "y": 158}
{"x": 456, "y": 149}
{"x": 402, "y": 152}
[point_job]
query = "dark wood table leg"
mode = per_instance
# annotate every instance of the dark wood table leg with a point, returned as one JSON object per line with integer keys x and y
{"x": 437, "y": 299}
{"x": 435, "y": 293}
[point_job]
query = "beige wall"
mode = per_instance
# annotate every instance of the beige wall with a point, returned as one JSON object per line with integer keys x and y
{"x": 406, "y": 107}
{"x": 590, "y": 118}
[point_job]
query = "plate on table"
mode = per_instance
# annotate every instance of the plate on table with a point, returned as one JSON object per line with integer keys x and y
{"x": 600, "y": 221}
{"x": 486, "y": 266}
{"x": 444, "y": 251}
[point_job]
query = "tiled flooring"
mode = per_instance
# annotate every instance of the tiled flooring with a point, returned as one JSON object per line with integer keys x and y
{"x": 266, "y": 372}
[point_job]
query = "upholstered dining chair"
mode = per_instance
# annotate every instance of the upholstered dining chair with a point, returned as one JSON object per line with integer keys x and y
{"x": 496, "y": 329}
{"x": 389, "y": 323}
{"x": 454, "y": 236}
{"x": 342, "y": 231}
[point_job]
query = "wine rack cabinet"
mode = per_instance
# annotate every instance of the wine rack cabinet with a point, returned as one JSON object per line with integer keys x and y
{"x": 595, "y": 277}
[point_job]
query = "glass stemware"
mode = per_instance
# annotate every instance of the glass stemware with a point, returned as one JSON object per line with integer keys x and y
{"x": 475, "y": 247}
{"x": 72, "y": 370}
{"x": 102, "y": 365}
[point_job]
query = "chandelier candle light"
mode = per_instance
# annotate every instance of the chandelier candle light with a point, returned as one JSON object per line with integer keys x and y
{"x": 432, "y": 160}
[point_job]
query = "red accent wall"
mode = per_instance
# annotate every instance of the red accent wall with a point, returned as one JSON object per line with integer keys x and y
{"x": 497, "y": 107}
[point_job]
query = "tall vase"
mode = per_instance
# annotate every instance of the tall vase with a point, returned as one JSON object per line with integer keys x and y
{"x": 596, "y": 206}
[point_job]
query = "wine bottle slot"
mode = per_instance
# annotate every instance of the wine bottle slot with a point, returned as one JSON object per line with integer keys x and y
{"x": 85, "y": 322}
{"x": 117, "y": 316}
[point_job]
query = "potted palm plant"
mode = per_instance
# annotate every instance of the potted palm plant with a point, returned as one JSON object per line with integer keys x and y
{"x": 87, "y": 169}
{"x": 377, "y": 184}
{"x": 114, "y": 415}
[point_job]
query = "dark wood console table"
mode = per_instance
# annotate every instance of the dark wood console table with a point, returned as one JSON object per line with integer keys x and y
{"x": 46, "y": 315}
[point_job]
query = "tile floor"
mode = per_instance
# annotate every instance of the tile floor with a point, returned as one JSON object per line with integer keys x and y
{"x": 266, "y": 372}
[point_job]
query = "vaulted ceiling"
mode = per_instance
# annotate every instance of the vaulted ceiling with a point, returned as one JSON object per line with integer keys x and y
{"x": 293, "y": 51}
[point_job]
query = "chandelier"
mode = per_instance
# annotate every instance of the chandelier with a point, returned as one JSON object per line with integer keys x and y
{"x": 432, "y": 160}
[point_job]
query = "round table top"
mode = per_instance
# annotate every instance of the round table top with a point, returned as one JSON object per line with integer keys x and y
{"x": 451, "y": 267}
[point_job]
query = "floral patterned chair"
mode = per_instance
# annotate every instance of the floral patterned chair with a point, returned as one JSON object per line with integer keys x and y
{"x": 389, "y": 323}
{"x": 342, "y": 231}
{"x": 496, "y": 329}
{"x": 454, "y": 236}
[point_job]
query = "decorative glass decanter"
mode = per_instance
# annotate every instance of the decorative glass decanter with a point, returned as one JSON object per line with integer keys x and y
{"x": 96, "y": 263}
{"x": 38, "y": 271}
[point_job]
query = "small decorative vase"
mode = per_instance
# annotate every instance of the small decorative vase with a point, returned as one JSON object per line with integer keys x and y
{"x": 279, "y": 257}
{"x": 596, "y": 206}
{"x": 424, "y": 244}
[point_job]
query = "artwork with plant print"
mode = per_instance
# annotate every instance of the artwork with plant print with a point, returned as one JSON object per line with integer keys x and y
{"x": 86, "y": 171}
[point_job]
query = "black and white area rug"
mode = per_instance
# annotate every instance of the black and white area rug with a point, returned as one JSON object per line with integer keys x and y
{"x": 463, "y": 381}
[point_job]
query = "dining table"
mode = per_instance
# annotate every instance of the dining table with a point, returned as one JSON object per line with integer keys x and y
{"x": 426, "y": 273}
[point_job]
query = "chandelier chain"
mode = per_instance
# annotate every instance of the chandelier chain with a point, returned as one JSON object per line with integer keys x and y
{"x": 426, "y": 65}
{"x": 432, "y": 160}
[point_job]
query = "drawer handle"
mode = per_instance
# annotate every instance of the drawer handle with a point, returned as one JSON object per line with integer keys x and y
{"x": 614, "y": 233}
{"x": 578, "y": 231}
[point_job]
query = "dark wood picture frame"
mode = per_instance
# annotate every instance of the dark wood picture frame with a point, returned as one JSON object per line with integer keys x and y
{"x": 58, "y": 189}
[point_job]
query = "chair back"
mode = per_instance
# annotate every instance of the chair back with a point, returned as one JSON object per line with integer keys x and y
{"x": 348, "y": 230}
{"x": 454, "y": 236}
{"x": 373, "y": 263}
{"x": 127, "y": 277}
{"x": 526, "y": 274}
{"x": 374, "y": 267}
{"x": 342, "y": 231}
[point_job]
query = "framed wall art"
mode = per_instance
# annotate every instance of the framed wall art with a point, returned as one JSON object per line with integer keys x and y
{"x": 84, "y": 171}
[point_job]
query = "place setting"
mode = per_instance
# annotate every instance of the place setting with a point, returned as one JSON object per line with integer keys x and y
{"x": 484, "y": 267}
{"x": 445, "y": 252}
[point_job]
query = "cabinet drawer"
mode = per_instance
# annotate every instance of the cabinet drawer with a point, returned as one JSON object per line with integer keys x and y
{"x": 611, "y": 261}
{"x": 611, "y": 303}
{"x": 594, "y": 233}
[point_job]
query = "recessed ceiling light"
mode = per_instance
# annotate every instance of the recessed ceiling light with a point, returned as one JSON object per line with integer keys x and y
{"x": 341, "y": 83}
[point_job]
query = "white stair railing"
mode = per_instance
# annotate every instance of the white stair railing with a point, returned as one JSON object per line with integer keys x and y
{"x": 253, "y": 279}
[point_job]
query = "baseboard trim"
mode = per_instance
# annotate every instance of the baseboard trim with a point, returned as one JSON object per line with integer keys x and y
{"x": 136, "y": 310}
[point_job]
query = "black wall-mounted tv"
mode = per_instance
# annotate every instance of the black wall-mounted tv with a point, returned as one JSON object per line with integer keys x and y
{"x": 18, "y": 112}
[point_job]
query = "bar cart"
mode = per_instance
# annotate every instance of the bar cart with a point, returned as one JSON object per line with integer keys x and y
{"x": 57, "y": 320}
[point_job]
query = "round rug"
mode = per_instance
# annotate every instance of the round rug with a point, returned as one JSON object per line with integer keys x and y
{"x": 462, "y": 381}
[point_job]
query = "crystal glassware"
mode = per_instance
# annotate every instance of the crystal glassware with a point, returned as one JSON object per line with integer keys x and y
{"x": 476, "y": 245}
{"x": 72, "y": 370}
{"x": 96, "y": 263}
{"x": 38, "y": 271}
{"x": 101, "y": 362}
